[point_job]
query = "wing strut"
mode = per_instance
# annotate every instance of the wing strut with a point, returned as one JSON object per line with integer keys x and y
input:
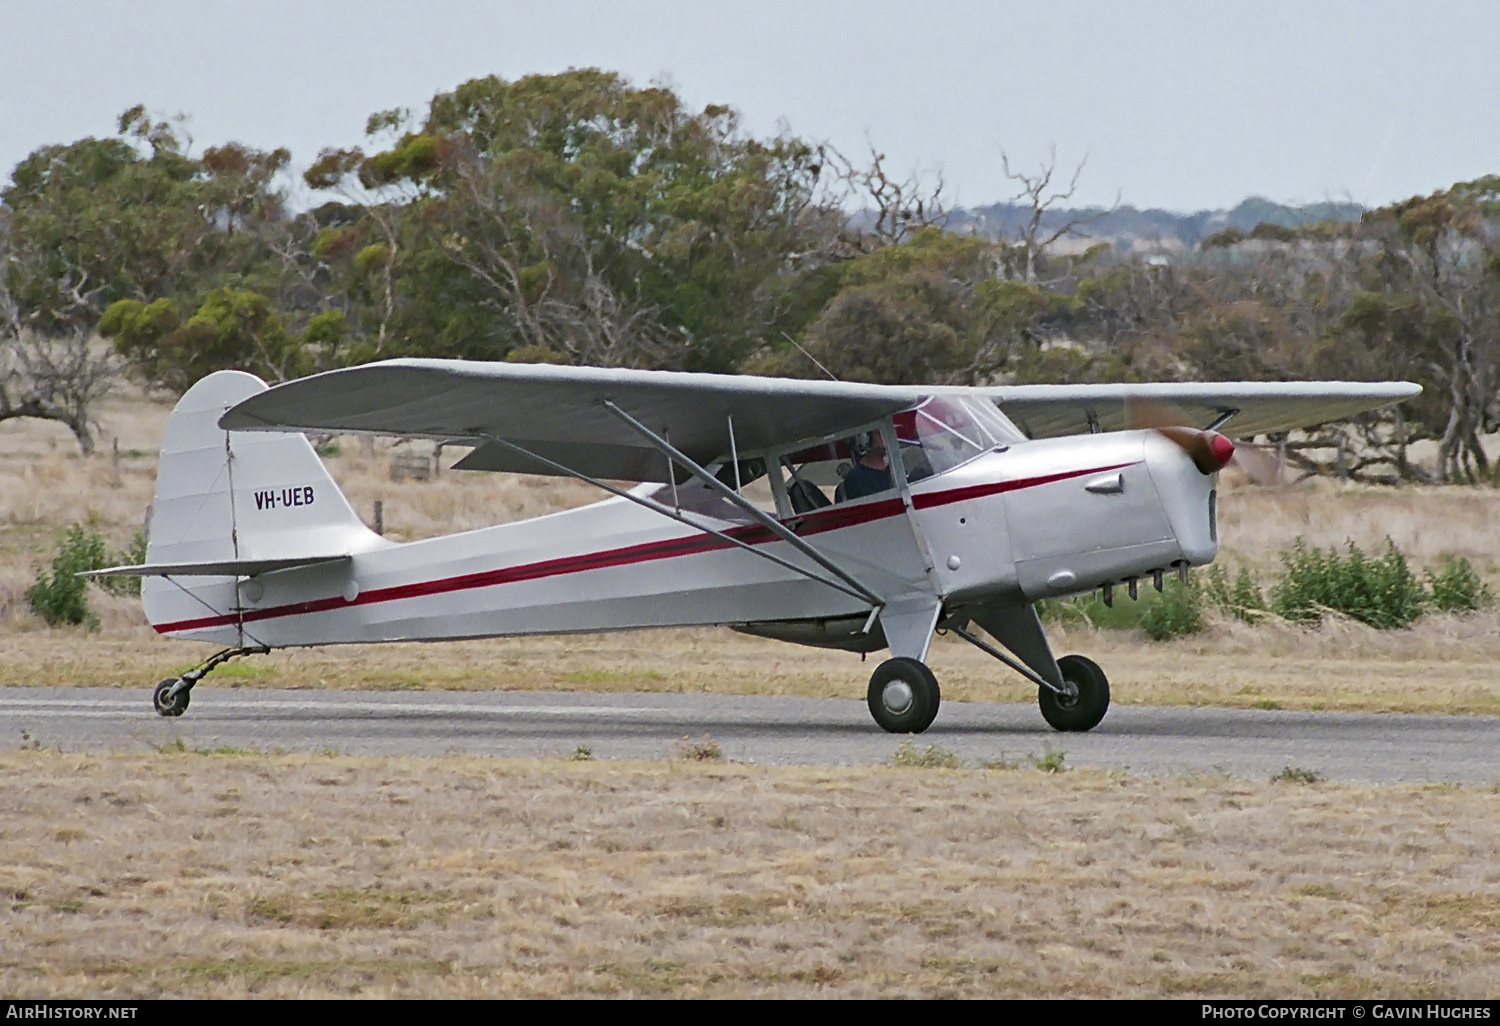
{"x": 1224, "y": 416}
{"x": 672, "y": 514}
{"x": 767, "y": 521}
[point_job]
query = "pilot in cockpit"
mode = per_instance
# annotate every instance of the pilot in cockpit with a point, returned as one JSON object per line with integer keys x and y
{"x": 871, "y": 470}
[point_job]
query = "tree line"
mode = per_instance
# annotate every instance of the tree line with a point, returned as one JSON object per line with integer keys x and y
{"x": 576, "y": 218}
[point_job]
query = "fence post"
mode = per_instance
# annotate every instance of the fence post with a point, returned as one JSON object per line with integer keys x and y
{"x": 379, "y": 517}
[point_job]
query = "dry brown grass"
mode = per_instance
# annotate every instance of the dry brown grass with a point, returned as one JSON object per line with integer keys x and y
{"x": 1425, "y": 523}
{"x": 1444, "y": 663}
{"x": 228, "y": 875}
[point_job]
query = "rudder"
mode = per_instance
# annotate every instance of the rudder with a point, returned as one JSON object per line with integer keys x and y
{"x": 224, "y": 496}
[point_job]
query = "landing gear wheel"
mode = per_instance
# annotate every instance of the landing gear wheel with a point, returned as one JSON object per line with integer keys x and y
{"x": 174, "y": 706}
{"x": 1086, "y": 697}
{"x": 904, "y": 696}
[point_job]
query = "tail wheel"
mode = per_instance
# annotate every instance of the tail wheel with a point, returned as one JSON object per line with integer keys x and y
{"x": 176, "y": 705}
{"x": 904, "y": 696}
{"x": 1085, "y": 697}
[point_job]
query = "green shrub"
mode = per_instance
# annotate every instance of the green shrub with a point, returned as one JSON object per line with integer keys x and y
{"x": 931, "y": 757}
{"x": 1457, "y": 588}
{"x": 1090, "y": 611}
{"x": 134, "y": 555}
{"x": 1247, "y": 602}
{"x": 1174, "y": 613}
{"x": 60, "y": 596}
{"x": 1383, "y": 592}
{"x": 1059, "y": 611}
{"x": 706, "y": 750}
{"x": 1297, "y": 775}
{"x": 1216, "y": 590}
{"x": 1052, "y": 760}
{"x": 1243, "y": 600}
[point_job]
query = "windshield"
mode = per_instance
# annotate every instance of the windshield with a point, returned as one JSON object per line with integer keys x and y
{"x": 946, "y": 431}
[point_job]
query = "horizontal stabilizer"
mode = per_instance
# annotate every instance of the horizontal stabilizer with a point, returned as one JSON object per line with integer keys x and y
{"x": 227, "y": 568}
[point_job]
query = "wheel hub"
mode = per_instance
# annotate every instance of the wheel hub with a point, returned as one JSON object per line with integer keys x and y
{"x": 1068, "y": 697}
{"x": 167, "y": 703}
{"x": 897, "y": 697}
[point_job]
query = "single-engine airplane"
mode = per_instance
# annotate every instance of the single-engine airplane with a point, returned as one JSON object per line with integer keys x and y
{"x": 841, "y": 515}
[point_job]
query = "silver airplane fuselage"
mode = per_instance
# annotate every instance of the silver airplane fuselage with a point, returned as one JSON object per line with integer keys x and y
{"x": 1028, "y": 521}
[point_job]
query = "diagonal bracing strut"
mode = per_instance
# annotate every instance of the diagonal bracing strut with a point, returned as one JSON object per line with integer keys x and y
{"x": 1014, "y": 664}
{"x": 767, "y": 521}
{"x": 672, "y": 514}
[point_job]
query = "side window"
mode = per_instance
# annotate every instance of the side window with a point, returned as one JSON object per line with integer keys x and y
{"x": 752, "y": 481}
{"x": 693, "y": 496}
{"x": 837, "y": 471}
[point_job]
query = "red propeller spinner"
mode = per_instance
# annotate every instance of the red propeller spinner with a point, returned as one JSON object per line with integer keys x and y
{"x": 1210, "y": 451}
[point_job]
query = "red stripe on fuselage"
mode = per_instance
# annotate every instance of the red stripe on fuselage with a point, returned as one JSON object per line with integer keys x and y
{"x": 832, "y": 518}
{"x": 930, "y": 499}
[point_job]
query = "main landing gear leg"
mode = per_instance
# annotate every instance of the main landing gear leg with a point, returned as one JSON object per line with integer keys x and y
{"x": 904, "y": 695}
{"x": 171, "y": 696}
{"x": 1073, "y": 692}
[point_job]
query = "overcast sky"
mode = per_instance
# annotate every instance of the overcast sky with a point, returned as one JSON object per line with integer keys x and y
{"x": 1182, "y": 105}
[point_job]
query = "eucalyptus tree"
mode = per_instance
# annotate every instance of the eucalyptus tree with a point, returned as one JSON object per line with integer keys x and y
{"x": 575, "y": 217}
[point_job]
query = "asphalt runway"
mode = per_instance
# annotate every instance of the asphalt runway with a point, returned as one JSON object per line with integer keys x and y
{"x": 1369, "y": 747}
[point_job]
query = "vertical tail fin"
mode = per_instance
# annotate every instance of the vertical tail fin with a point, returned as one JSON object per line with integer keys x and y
{"x": 223, "y": 497}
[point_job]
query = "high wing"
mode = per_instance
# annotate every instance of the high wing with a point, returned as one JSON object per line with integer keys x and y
{"x": 563, "y": 413}
{"x": 559, "y": 412}
{"x": 1242, "y": 408}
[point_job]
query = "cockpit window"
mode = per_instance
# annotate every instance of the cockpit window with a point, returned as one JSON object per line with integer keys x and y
{"x": 997, "y": 424}
{"x": 948, "y": 434}
{"x": 837, "y": 471}
{"x": 946, "y": 431}
{"x": 940, "y": 434}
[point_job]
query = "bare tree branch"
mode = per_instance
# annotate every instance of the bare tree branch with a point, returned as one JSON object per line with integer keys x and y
{"x": 899, "y": 207}
{"x": 1037, "y": 193}
{"x": 57, "y": 379}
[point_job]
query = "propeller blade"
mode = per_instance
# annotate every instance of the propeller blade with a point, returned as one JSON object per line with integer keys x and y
{"x": 1210, "y": 451}
{"x": 1154, "y": 415}
{"x": 1261, "y": 465}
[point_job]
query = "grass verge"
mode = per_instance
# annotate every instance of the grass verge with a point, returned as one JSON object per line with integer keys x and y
{"x": 324, "y": 876}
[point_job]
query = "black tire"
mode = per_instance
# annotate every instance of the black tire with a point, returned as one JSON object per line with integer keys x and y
{"x": 1087, "y": 701}
{"x": 904, "y": 696}
{"x": 178, "y": 703}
